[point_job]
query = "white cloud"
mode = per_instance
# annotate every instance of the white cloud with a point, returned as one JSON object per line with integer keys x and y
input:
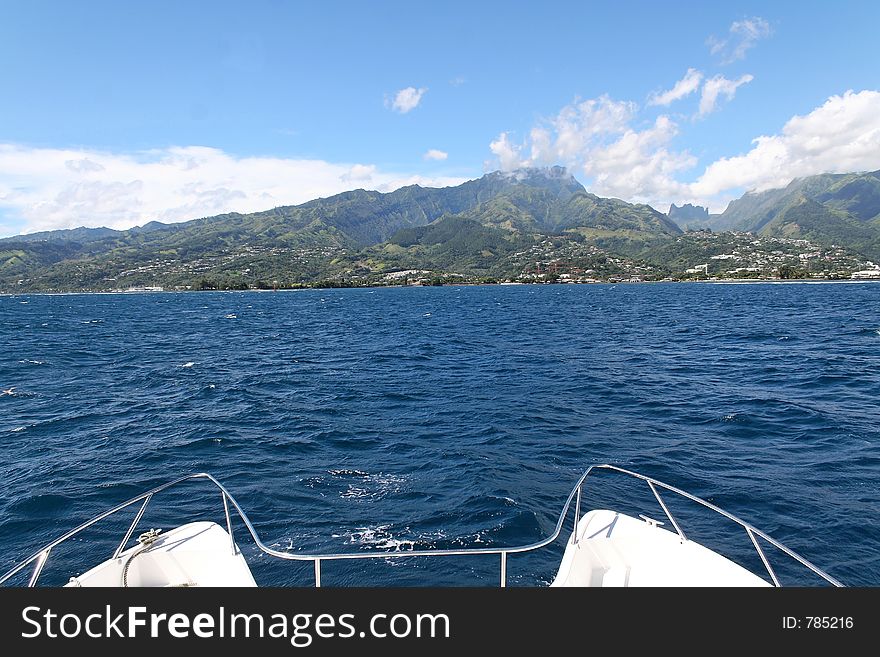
{"x": 597, "y": 138}
{"x": 742, "y": 36}
{"x": 359, "y": 173}
{"x": 639, "y": 166}
{"x": 566, "y": 138}
{"x": 46, "y": 189}
{"x": 80, "y": 166}
{"x": 582, "y": 124}
{"x": 606, "y": 144}
{"x": 684, "y": 87}
{"x": 719, "y": 86}
{"x": 437, "y": 155}
{"x": 841, "y": 135}
{"x": 509, "y": 154}
{"x": 405, "y": 100}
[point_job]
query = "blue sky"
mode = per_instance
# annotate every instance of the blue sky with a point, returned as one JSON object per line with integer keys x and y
{"x": 116, "y": 114}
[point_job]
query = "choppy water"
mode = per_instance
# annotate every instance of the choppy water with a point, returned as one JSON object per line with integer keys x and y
{"x": 348, "y": 420}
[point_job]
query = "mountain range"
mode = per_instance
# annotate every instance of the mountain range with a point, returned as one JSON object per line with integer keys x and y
{"x": 828, "y": 208}
{"x": 481, "y": 227}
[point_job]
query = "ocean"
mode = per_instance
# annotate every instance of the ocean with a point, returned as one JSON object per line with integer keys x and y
{"x": 440, "y": 417}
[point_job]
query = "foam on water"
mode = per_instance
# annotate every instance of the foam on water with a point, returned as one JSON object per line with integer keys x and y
{"x": 375, "y": 487}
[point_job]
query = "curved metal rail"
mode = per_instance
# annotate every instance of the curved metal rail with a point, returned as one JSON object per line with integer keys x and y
{"x": 40, "y": 557}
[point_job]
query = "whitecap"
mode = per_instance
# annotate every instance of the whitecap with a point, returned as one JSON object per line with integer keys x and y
{"x": 17, "y": 429}
{"x": 231, "y": 316}
{"x": 28, "y": 361}
{"x": 379, "y": 537}
{"x": 283, "y": 544}
{"x": 374, "y": 487}
{"x": 396, "y": 545}
{"x": 426, "y": 315}
{"x": 355, "y": 492}
{"x": 348, "y": 473}
{"x": 189, "y": 364}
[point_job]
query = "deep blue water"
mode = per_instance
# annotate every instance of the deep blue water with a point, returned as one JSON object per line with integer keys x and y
{"x": 346, "y": 420}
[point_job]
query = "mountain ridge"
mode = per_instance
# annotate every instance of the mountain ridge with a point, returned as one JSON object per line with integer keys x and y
{"x": 484, "y": 227}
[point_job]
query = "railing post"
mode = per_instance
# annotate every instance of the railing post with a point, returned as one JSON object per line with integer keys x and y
{"x": 137, "y": 519}
{"x": 41, "y": 561}
{"x": 503, "y": 569}
{"x": 577, "y": 516}
{"x": 317, "y": 573}
{"x": 763, "y": 558}
{"x": 666, "y": 510}
{"x": 229, "y": 524}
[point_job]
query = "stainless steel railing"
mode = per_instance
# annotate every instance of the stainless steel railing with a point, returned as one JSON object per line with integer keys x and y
{"x": 40, "y": 557}
{"x": 750, "y": 530}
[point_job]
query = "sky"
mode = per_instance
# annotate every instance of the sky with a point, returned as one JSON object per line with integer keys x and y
{"x": 116, "y": 114}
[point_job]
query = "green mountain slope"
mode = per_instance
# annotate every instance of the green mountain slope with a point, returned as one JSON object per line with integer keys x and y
{"x": 805, "y": 218}
{"x": 843, "y": 209}
{"x": 496, "y": 213}
{"x": 857, "y": 193}
{"x": 532, "y": 223}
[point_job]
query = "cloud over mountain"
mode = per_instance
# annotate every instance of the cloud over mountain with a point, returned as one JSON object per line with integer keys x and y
{"x": 45, "y": 188}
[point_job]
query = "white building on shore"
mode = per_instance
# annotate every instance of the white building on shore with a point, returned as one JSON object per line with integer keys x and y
{"x": 866, "y": 274}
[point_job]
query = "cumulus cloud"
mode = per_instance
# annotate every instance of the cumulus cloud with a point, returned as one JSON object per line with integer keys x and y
{"x": 716, "y": 87}
{"x": 741, "y": 37}
{"x": 508, "y": 153}
{"x": 598, "y": 139}
{"x": 359, "y": 173}
{"x": 405, "y": 100}
{"x": 437, "y": 155}
{"x": 639, "y": 165}
{"x": 46, "y": 189}
{"x": 684, "y": 87}
{"x": 607, "y": 144}
{"x": 80, "y": 166}
{"x": 841, "y": 135}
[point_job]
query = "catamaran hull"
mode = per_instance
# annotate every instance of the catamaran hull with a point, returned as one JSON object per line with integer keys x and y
{"x": 195, "y": 554}
{"x": 613, "y": 549}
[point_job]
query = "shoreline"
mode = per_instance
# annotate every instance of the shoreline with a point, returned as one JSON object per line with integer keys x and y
{"x": 720, "y": 281}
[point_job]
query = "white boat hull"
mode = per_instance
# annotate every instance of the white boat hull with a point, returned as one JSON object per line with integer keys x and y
{"x": 195, "y": 554}
{"x": 613, "y": 549}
